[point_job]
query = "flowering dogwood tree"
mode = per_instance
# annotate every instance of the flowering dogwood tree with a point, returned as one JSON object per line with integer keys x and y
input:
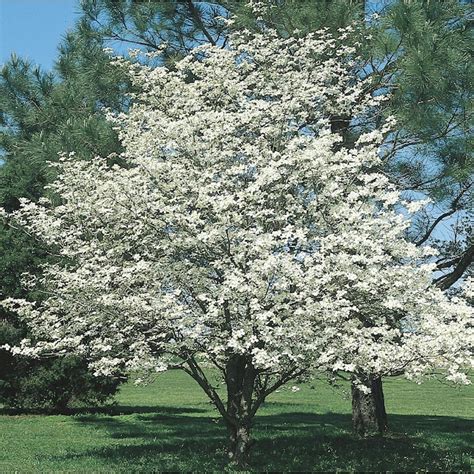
{"x": 239, "y": 234}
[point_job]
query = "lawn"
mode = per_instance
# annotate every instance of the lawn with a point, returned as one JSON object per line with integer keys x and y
{"x": 169, "y": 426}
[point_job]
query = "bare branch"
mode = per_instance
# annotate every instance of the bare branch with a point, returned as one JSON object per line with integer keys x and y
{"x": 454, "y": 207}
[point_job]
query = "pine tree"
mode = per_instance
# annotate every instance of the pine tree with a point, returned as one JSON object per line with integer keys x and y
{"x": 41, "y": 115}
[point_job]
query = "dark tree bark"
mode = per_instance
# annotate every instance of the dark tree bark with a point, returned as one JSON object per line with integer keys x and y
{"x": 240, "y": 378}
{"x": 239, "y": 444}
{"x": 246, "y": 391}
{"x": 369, "y": 416}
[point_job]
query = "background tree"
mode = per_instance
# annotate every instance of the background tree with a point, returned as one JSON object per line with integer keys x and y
{"x": 42, "y": 114}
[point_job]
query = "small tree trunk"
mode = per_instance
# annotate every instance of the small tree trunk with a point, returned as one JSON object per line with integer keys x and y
{"x": 368, "y": 409}
{"x": 239, "y": 445}
{"x": 240, "y": 385}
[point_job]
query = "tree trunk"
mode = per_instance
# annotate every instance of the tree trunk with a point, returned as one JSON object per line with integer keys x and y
{"x": 368, "y": 409}
{"x": 239, "y": 444}
{"x": 240, "y": 375}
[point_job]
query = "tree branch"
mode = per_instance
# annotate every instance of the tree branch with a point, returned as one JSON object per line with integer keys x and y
{"x": 282, "y": 381}
{"x": 197, "y": 374}
{"x": 198, "y": 21}
{"x": 453, "y": 208}
{"x": 446, "y": 281}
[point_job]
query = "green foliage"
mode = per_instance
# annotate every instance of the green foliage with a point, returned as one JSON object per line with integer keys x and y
{"x": 170, "y": 426}
{"x": 181, "y": 25}
{"x": 41, "y": 115}
{"x": 293, "y": 17}
{"x": 432, "y": 88}
{"x": 54, "y": 385}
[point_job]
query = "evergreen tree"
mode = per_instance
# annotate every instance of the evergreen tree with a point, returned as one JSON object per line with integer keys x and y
{"x": 41, "y": 115}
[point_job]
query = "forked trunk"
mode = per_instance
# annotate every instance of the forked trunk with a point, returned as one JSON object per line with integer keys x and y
{"x": 368, "y": 409}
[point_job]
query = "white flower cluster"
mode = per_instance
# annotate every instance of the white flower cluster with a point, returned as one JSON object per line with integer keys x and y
{"x": 240, "y": 225}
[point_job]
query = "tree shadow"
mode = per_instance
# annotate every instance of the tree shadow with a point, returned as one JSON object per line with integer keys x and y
{"x": 111, "y": 410}
{"x": 171, "y": 439}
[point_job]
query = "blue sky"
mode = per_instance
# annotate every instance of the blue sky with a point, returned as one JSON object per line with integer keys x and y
{"x": 34, "y": 28}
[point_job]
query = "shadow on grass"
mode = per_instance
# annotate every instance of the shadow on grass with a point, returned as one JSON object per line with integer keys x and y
{"x": 183, "y": 439}
{"x": 112, "y": 410}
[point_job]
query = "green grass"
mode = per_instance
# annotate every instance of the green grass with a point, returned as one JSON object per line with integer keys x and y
{"x": 170, "y": 426}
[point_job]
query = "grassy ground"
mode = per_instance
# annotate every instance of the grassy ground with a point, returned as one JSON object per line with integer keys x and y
{"x": 169, "y": 426}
